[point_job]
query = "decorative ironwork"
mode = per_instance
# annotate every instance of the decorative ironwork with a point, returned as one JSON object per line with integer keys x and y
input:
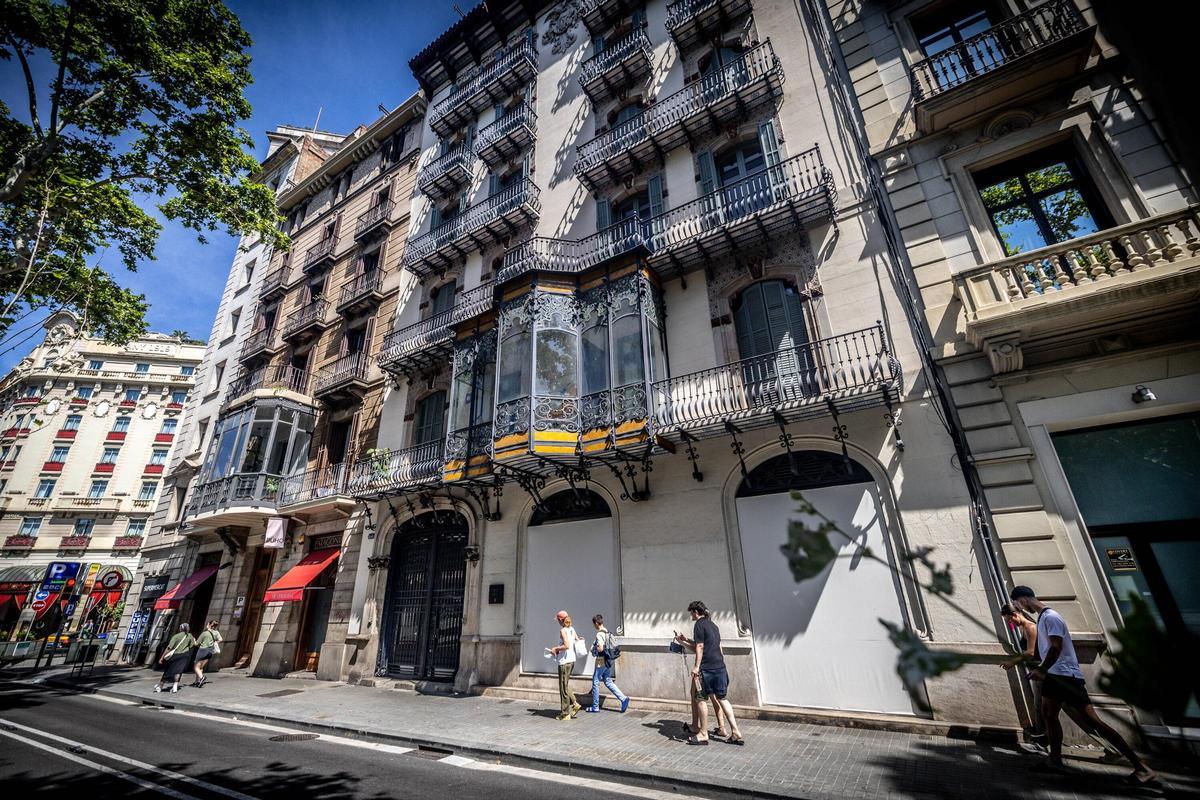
{"x": 618, "y": 66}
{"x": 373, "y": 218}
{"x": 840, "y": 434}
{"x": 272, "y": 376}
{"x": 484, "y": 85}
{"x": 892, "y": 417}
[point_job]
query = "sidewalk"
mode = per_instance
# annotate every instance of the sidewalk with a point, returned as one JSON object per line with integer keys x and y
{"x": 779, "y": 760}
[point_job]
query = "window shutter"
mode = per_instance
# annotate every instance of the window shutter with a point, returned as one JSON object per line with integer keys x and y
{"x": 435, "y": 217}
{"x": 337, "y": 226}
{"x": 430, "y": 415}
{"x": 493, "y": 184}
{"x": 770, "y": 148}
{"x": 602, "y": 214}
{"x": 368, "y": 335}
{"x": 654, "y": 188}
{"x": 750, "y": 321}
{"x": 597, "y": 45}
{"x": 707, "y": 172}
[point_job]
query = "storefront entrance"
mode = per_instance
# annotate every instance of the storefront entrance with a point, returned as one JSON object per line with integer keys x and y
{"x": 424, "y": 609}
{"x": 250, "y": 613}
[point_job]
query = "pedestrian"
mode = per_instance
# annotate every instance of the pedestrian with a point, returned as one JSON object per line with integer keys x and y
{"x": 176, "y": 657}
{"x": 606, "y": 666}
{"x": 564, "y": 655}
{"x": 1026, "y": 631}
{"x": 1061, "y": 678}
{"x": 208, "y": 644}
{"x": 710, "y": 670}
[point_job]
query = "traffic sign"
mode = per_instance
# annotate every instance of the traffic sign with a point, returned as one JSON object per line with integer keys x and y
{"x": 41, "y": 599}
{"x": 59, "y": 574}
{"x": 112, "y": 580}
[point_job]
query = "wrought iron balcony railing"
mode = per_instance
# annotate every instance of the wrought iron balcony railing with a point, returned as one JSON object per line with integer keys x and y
{"x": 269, "y": 377}
{"x": 618, "y": 66}
{"x": 311, "y": 315}
{"x": 992, "y": 49}
{"x": 361, "y": 287}
{"x": 694, "y": 22}
{"x": 505, "y": 71}
{"x": 507, "y": 136}
{"x": 327, "y": 481}
{"x": 375, "y": 218}
{"x": 503, "y": 211}
{"x": 424, "y": 341}
{"x": 851, "y": 369}
{"x": 273, "y": 282}
{"x": 446, "y": 174}
{"x": 256, "y": 344}
{"x": 719, "y": 98}
{"x": 320, "y": 254}
{"x": 600, "y": 15}
{"x": 348, "y": 369}
{"x": 252, "y": 489}
{"x": 386, "y": 470}
{"x": 574, "y": 255}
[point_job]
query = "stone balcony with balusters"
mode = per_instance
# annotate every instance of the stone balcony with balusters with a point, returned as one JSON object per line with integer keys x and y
{"x": 1058, "y": 301}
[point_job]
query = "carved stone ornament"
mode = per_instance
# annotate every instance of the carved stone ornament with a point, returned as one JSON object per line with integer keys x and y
{"x": 561, "y": 23}
{"x": 102, "y": 408}
{"x": 53, "y": 405}
{"x": 59, "y": 334}
{"x": 378, "y": 562}
{"x": 1006, "y": 123}
{"x": 1004, "y": 352}
{"x": 150, "y": 410}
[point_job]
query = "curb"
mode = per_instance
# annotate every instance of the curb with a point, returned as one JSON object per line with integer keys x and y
{"x": 712, "y": 786}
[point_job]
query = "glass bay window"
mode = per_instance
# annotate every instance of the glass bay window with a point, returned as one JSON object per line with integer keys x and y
{"x": 270, "y": 438}
{"x": 471, "y": 403}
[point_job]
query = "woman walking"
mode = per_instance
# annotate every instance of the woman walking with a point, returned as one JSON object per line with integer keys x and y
{"x": 175, "y": 657}
{"x": 209, "y": 644}
{"x": 564, "y": 655}
{"x": 605, "y": 670}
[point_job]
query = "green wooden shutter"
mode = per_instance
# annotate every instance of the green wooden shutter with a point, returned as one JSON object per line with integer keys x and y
{"x": 707, "y": 172}
{"x": 597, "y": 45}
{"x": 430, "y": 415}
{"x": 602, "y": 214}
{"x": 750, "y": 322}
{"x": 493, "y": 184}
{"x": 654, "y": 188}
{"x": 770, "y": 147}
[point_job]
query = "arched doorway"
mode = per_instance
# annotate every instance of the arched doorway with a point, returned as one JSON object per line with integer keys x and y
{"x": 423, "y": 613}
{"x": 818, "y": 643}
{"x": 570, "y": 563}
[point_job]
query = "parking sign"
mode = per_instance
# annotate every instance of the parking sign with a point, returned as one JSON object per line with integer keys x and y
{"x": 57, "y": 575}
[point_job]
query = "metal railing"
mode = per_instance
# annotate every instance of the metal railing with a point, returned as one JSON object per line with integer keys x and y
{"x": 460, "y": 156}
{"x": 361, "y": 285}
{"x": 1001, "y": 44}
{"x": 257, "y": 341}
{"x": 393, "y": 469}
{"x": 473, "y": 219}
{"x": 271, "y": 376}
{"x": 327, "y": 481}
{"x": 636, "y": 41}
{"x": 347, "y": 368}
{"x": 437, "y": 328}
{"x": 573, "y": 255}
{"x": 485, "y": 74}
{"x": 375, "y": 215}
{"x": 692, "y": 100}
{"x": 507, "y": 123}
{"x": 244, "y": 489}
{"x": 320, "y": 251}
{"x": 272, "y": 281}
{"x": 302, "y": 317}
{"x": 857, "y": 362}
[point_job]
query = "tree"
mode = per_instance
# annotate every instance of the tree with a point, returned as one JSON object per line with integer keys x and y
{"x": 141, "y": 99}
{"x": 186, "y": 337}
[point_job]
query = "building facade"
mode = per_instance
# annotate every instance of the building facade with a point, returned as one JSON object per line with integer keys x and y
{"x": 88, "y": 429}
{"x": 168, "y": 555}
{"x": 1055, "y": 242}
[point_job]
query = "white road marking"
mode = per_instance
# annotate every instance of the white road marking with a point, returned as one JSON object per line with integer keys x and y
{"x": 324, "y": 737}
{"x": 166, "y": 773}
{"x": 116, "y": 773}
{"x": 120, "y": 701}
{"x": 571, "y": 780}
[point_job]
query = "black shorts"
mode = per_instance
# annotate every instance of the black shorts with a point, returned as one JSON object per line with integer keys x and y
{"x": 714, "y": 682}
{"x": 1067, "y": 691}
{"x": 204, "y": 654}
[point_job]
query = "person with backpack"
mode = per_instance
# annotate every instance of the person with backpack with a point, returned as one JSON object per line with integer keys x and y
{"x": 607, "y": 651}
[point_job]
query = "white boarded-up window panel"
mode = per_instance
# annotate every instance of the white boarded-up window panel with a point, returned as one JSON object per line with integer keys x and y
{"x": 572, "y": 566}
{"x": 819, "y": 644}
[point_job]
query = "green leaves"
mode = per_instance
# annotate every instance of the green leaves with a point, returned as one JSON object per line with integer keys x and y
{"x": 1151, "y": 669}
{"x": 915, "y": 662}
{"x": 808, "y": 550}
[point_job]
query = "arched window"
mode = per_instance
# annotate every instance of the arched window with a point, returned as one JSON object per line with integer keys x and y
{"x": 809, "y": 469}
{"x": 570, "y": 504}
{"x": 769, "y": 318}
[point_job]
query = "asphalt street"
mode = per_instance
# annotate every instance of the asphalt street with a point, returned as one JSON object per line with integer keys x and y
{"x": 60, "y": 744}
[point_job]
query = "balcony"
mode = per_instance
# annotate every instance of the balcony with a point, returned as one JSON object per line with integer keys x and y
{"x": 316, "y": 491}
{"x": 274, "y": 283}
{"x": 377, "y": 218}
{"x": 621, "y": 65}
{"x": 429, "y": 342}
{"x": 600, "y": 15}
{"x": 104, "y": 467}
{"x": 18, "y": 542}
{"x": 242, "y": 499}
{"x": 306, "y": 321}
{"x": 164, "y": 438}
{"x": 109, "y": 505}
{"x": 1016, "y": 58}
{"x": 27, "y": 401}
{"x": 153, "y": 469}
{"x": 1141, "y": 280}
{"x": 13, "y": 433}
{"x": 502, "y": 75}
{"x": 495, "y": 218}
{"x": 853, "y": 370}
{"x": 320, "y": 255}
{"x": 719, "y": 99}
{"x": 362, "y": 291}
{"x": 574, "y": 255}
{"x": 115, "y": 436}
{"x": 385, "y": 471}
{"x": 271, "y": 379}
{"x": 258, "y": 344}
{"x": 52, "y": 466}
{"x": 74, "y": 542}
{"x": 448, "y": 174}
{"x": 468, "y": 453}
{"x": 507, "y": 137}
{"x": 127, "y": 543}
{"x": 345, "y": 379}
{"x": 693, "y": 23}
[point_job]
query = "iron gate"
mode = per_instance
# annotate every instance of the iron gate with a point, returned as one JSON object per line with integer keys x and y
{"x": 427, "y": 576}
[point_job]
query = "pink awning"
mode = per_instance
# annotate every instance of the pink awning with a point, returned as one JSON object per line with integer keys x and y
{"x": 175, "y": 596}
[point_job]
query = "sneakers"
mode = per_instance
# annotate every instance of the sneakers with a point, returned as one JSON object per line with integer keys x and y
{"x": 157, "y": 689}
{"x": 563, "y": 716}
{"x": 575, "y": 711}
{"x": 592, "y": 709}
{"x": 174, "y": 689}
{"x": 624, "y": 705}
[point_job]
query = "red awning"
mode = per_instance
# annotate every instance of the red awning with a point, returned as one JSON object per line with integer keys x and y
{"x": 291, "y": 586}
{"x": 174, "y": 596}
{"x": 4, "y": 599}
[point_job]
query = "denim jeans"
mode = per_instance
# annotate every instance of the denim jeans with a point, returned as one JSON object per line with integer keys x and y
{"x": 604, "y": 675}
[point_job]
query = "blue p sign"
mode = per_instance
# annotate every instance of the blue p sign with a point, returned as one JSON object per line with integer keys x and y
{"x": 58, "y": 573}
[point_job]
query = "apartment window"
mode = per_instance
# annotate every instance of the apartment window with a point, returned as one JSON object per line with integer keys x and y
{"x": 121, "y": 425}
{"x": 84, "y": 392}
{"x": 442, "y": 299}
{"x": 46, "y": 362}
{"x": 45, "y": 487}
{"x": 169, "y": 425}
{"x": 158, "y": 456}
{"x": 187, "y": 369}
{"x": 148, "y": 490}
{"x": 97, "y": 489}
{"x": 72, "y": 422}
{"x": 141, "y": 369}
{"x": 31, "y": 391}
{"x": 30, "y": 526}
{"x": 234, "y": 318}
{"x": 4, "y": 453}
{"x": 109, "y": 456}
{"x": 218, "y": 376}
{"x": 248, "y": 271}
{"x": 202, "y": 431}
{"x": 180, "y": 397}
{"x": 430, "y": 418}
{"x": 1041, "y": 199}
{"x": 83, "y": 526}
{"x": 133, "y": 395}
{"x": 769, "y": 318}
{"x": 95, "y": 364}
{"x": 59, "y": 453}
{"x": 136, "y": 527}
{"x": 19, "y": 421}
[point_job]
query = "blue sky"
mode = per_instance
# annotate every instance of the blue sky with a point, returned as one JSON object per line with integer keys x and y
{"x": 342, "y": 57}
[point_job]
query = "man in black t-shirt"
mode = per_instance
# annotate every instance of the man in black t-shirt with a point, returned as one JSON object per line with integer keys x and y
{"x": 710, "y": 672}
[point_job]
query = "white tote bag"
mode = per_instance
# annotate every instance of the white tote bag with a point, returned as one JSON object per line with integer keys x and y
{"x": 581, "y": 648}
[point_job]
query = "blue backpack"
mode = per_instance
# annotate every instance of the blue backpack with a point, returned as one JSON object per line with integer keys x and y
{"x": 612, "y": 650}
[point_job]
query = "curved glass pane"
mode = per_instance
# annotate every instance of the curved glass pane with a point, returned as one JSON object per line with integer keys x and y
{"x": 595, "y": 359}
{"x": 514, "y": 367}
{"x": 627, "y": 350}
{"x": 557, "y": 363}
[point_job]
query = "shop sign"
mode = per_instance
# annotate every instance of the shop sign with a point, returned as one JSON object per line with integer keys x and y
{"x": 326, "y": 541}
{"x": 1121, "y": 559}
{"x": 155, "y": 585}
{"x": 276, "y": 535}
{"x": 137, "y": 626}
{"x": 90, "y": 580}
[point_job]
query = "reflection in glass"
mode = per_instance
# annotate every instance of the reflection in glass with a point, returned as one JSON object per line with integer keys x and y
{"x": 514, "y": 367}
{"x": 627, "y": 350}
{"x": 557, "y": 363}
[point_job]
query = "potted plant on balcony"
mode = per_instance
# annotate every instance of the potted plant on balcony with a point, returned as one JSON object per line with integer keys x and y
{"x": 377, "y": 461}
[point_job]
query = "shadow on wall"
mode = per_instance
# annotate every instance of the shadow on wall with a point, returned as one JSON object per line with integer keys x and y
{"x": 661, "y": 71}
{"x": 568, "y": 83}
{"x": 564, "y": 157}
{"x": 571, "y": 212}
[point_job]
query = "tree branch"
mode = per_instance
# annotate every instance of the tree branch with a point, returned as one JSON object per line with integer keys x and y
{"x": 30, "y": 88}
{"x": 62, "y": 65}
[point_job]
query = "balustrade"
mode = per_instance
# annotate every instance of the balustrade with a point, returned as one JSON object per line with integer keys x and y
{"x": 384, "y": 470}
{"x": 619, "y": 65}
{"x": 256, "y": 489}
{"x": 347, "y": 369}
{"x": 374, "y": 217}
{"x": 507, "y": 136}
{"x": 327, "y": 481}
{"x": 505, "y": 71}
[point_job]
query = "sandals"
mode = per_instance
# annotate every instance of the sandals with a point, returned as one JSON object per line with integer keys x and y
{"x": 1150, "y": 781}
{"x": 694, "y": 741}
{"x": 740, "y": 742}
{"x": 718, "y": 734}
